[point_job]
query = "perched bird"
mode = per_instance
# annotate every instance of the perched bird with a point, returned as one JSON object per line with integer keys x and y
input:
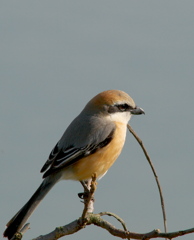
{"x": 90, "y": 145}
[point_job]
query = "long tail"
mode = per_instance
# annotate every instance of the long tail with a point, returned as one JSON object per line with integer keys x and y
{"x": 16, "y": 223}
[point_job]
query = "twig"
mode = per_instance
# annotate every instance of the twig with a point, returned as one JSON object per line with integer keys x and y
{"x": 154, "y": 172}
{"x": 59, "y": 232}
{"x": 96, "y": 219}
{"x": 115, "y": 216}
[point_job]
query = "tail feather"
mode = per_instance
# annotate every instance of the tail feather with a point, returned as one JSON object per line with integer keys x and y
{"x": 20, "y": 218}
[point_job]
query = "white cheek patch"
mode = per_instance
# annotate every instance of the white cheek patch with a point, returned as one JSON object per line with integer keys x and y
{"x": 122, "y": 117}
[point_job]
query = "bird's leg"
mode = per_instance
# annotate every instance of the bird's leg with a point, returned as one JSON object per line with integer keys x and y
{"x": 88, "y": 197}
{"x": 89, "y": 188}
{"x": 86, "y": 186}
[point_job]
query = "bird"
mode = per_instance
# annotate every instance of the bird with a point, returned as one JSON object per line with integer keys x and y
{"x": 90, "y": 145}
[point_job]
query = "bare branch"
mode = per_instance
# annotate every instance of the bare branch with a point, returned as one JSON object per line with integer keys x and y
{"x": 154, "y": 172}
{"x": 59, "y": 232}
{"x": 115, "y": 216}
{"x": 96, "y": 219}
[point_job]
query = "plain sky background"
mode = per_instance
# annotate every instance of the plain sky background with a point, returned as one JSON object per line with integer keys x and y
{"x": 54, "y": 57}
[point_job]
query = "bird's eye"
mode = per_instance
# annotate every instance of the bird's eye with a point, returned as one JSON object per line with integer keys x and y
{"x": 123, "y": 107}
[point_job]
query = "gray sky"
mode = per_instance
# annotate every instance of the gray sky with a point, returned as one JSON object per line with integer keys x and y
{"x": 55, "y": 56}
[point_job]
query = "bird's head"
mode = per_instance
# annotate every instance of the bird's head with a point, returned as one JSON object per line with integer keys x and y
{"x": 113, "y": 104}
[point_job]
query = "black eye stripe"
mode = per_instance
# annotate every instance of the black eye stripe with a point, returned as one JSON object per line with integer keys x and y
{"x": 112, "y": 109}
{"x": 119, "y": 108}
{"x": 123, "y": 107}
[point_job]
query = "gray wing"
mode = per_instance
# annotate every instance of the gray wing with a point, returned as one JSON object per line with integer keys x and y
{"x": 79, "y": 140}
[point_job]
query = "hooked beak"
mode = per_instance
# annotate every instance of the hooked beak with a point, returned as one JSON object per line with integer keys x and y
{"x": 137, "y": 111}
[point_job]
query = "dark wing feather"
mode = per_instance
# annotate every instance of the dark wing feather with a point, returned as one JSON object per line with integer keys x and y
{"x": 52, "y": 155}
{"x": 61, "y": 158}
